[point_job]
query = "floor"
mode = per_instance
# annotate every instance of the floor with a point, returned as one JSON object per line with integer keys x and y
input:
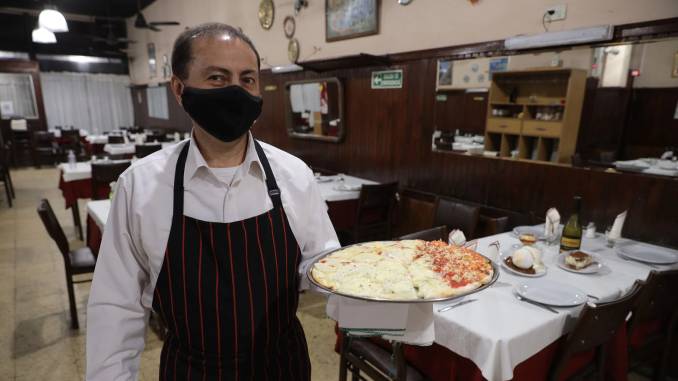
{"x": 36, "y": 342}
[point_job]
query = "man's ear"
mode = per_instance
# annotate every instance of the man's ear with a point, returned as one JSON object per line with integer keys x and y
{"x": 177, "y": 88}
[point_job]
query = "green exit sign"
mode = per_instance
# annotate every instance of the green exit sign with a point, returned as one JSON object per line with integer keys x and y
{"x": 388, "y": 79}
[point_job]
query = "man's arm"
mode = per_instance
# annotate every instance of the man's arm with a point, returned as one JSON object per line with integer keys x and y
{"x": 321, "y": 236}
{"x": 116, "y": 319}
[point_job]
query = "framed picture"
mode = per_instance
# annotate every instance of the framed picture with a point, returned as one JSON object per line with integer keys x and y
{"x": 346, "y": 19}
{"x": 674, "y": 72}
{"x": 444, "y": 79}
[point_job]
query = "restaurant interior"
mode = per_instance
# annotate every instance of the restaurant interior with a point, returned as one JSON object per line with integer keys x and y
{"x": 529, "y": 134}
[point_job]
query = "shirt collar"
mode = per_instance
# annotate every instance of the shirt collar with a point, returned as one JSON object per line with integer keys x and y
{"x": 195, "y": 162}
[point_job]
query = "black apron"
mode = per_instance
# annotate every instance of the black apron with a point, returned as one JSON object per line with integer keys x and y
{"x": 228, "y": 293}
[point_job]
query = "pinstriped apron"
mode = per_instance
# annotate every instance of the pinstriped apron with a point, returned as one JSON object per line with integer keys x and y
{"x": 228, "y": 294}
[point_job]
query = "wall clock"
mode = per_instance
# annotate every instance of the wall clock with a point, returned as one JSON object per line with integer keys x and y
{"x": 266, "y": 13}
{"x": 289, "y": 26}
{"x": 293, "y": 50}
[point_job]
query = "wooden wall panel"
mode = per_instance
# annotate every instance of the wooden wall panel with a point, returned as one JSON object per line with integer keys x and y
{"x": 652, "y": 126}
{"x": 389, "y": 138}
{"x": 178, "y": 119}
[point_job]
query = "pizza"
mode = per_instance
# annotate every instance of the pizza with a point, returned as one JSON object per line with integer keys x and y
{"x": 403, "y": 270}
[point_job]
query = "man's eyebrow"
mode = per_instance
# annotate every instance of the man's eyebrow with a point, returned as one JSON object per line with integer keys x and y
{"x": 248, "y": 72}
{"x": 217, "y": 68}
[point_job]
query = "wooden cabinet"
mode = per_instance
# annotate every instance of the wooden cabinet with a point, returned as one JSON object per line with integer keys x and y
{"x": 535, "y": 114}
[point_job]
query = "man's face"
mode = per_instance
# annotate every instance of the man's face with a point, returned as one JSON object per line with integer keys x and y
{"x": 220, "y": 62}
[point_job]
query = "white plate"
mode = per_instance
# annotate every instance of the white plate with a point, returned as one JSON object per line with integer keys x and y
{"x": 648, "y": 254}
{"x": 325, "y": 179}
{"x": 551, "y": 293}
{"x": 503, "y": 256}
{"x": 593, "y": 268}
{"x": 537, "y": 231}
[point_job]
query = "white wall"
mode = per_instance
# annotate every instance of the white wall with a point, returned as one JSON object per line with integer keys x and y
{"x": 423, "y": 24}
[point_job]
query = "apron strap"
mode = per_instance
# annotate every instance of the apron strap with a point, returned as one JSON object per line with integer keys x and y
{"x": 271, "y": 184}
{"x": 179, "y": 183}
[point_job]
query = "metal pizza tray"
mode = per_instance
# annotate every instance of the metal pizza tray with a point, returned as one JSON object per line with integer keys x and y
{"x": 495, "y": 276}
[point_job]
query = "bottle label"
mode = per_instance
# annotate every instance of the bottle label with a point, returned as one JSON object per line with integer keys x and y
{"x": 567, "y": 243}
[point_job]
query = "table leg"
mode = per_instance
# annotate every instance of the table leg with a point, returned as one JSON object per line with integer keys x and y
{"x": 76, "y": 219}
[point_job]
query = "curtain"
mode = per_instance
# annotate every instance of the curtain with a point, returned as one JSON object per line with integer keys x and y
{"x": 157, "y": 102}
{"x": 16, "y": 96}
{"x": 93, "y": 102}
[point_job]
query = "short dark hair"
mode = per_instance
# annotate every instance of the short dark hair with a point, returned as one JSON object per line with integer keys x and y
{"x": 182, "y": 55}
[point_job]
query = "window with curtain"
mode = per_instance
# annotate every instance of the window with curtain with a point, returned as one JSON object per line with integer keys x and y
{"x": 17, "y": 96}
{"x": 93, "y": 102}
{"x": 157, "y": 102}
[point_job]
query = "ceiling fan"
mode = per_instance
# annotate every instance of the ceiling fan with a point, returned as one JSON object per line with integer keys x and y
{"x": 141, "y": 23}
{"x": 111, "y": 39}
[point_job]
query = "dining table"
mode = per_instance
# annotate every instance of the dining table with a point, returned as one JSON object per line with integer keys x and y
{"x": 500, "y": 337}
{"x": 339, "y": 192}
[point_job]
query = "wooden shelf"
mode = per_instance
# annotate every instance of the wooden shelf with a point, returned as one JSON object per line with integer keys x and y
{"x": 354, "y": 61}
{"x": 535, "y": 139}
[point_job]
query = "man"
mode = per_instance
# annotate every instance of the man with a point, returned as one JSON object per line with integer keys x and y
{"x": 211, "y": 234}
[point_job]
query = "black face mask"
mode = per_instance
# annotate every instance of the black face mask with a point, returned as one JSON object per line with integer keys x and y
{"x": 225, "y": 113}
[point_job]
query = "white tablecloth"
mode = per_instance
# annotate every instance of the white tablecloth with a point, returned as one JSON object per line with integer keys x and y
{"x": 331, "y": 190}
{"x": 98, "y": 210}
{"x": 498, "y": 332}
{"x": 97, "y": 139}
{"x": 79, "y": 171}
{"x": 120, "y": 149}
{"x": 57, "y": 133}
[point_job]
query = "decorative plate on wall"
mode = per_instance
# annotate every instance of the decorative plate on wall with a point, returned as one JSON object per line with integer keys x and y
{"x": 293, "y": 50}
{"x": 266, "y": 13}
{"x": 289, "y": 26}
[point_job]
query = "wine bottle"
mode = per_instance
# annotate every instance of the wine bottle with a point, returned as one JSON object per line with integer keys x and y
{"x": 571, "y": 238}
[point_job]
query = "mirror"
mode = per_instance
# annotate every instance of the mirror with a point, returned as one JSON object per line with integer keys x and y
{"x": 315, "y": 109}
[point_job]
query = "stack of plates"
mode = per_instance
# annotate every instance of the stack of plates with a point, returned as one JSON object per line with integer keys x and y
{"x": 551, "y": 293}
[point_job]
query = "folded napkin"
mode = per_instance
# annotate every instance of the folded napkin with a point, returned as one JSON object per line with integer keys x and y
{"x": 551, "y": 223}
{"x": 408, "y": 323}
{"x": 617, "y": 226}
{"x": 492, "y": 251}
{"x": 456, "y": 237}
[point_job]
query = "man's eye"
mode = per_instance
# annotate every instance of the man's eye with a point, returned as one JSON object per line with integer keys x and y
{"x": 216, "y": 77}
{"x": 249, "y": 81}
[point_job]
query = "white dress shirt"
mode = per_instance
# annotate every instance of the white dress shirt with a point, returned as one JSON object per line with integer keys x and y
{"x": 136, "y": 234}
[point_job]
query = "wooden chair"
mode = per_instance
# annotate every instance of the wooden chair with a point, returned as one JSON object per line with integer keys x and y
{"x": 595, "y": 327}
{"x": 489, "y": 225}
{"x": 116, "y": 139}
{"x": 456, "y": 215}
{"x": 70, "y": 140}
{"x": 362, "y": 355}
{"x": 323, "y": 171}
{"x": 103, "y": 173}
{"x": 79, "y": 261}
{"x": 44, "y": 148}
{"x": 5, "y": 176}
{"x": 433, "y": 234}
{"x": 374, "y": 216}
{"x": 653, "y": 327}
{"x": 143, "y": 150}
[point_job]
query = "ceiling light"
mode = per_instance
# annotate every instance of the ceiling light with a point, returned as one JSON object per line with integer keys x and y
{"x": 43, "y": 36}
{"x": 52, "y": 20}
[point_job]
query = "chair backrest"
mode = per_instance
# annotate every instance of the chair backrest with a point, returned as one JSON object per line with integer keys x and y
{"x": 456, "y": 215}
{"x": 73, "y": 135}
{"x": 143, "y": 150}
{"x": 375, "y": 209}
{"x": 595, "y": 327}
{"x": 488, "y": 225}
{"x": 43, "y": 139}
{"x": 433, "y": 234}
{"x": 103, "y": 174}
{"x": 658, "y": 299}
{"x": 53, "y": 227}
{"x": 116, "y": 139}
